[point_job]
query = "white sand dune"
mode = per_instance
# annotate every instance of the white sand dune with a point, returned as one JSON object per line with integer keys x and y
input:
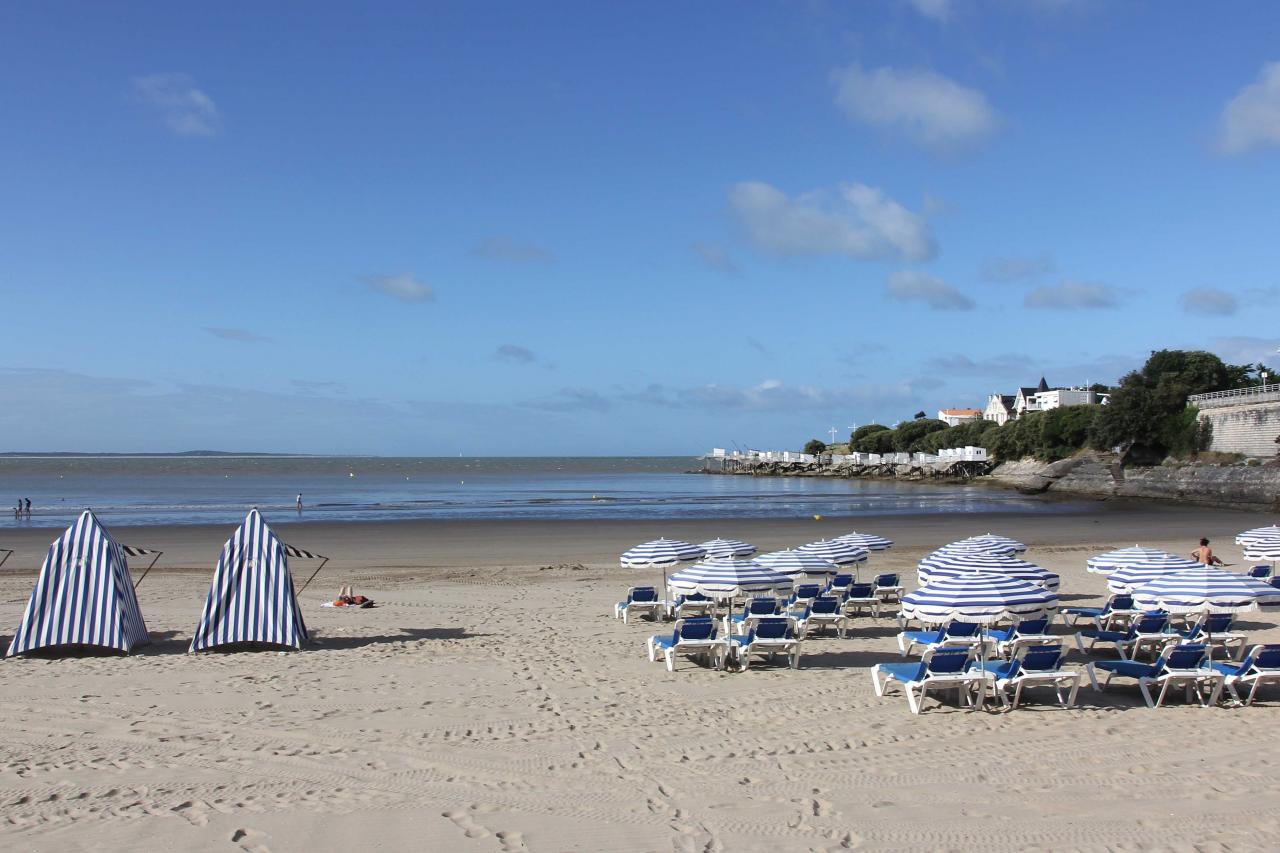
{"x": 492, "y": 705}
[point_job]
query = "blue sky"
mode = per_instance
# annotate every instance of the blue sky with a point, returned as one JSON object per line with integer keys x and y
{"x": 590, "y": 228}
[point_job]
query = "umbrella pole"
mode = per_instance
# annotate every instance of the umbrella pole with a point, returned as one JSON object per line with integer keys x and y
{"x": 7, "y": 554}
{"x": 154, "y": 560}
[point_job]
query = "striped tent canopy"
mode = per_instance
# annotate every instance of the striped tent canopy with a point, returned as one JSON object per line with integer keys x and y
{"x": 992, "y": 541}
{"x": 795, "y": 563}
{"x": 729, "y": 578}
{"x": 251, "y": 599}
{"x": 83, "y": 596}
{"x": 659, "y": 553}
{"x": 1130, "y": 577}
{"x": 840, "y": 553}
{"x": 135, "y": 551}
{"x": 718, "y": 549}
{"x": 979, "y": 598}
{"x": 944, "y": 563}
{"x": 1271, "y": 531}
{"x": 1205, "y": 590}
{"x": 1105, "y": 564}
{"x": 869, "y": 541}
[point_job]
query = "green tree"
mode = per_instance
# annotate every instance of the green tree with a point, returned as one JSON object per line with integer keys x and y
{"x": 879, "y": 441}
{"x": 814, "y": 446}
{"x": 1065, "y": 430}
{"x": 907, "y": 436}
{"x": 862, "y": 432}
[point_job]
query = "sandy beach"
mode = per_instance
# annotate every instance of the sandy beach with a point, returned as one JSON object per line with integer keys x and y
{"x": 492, "y": 703}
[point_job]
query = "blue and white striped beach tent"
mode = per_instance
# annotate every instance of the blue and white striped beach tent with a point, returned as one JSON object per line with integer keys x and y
{"x": 251, "y": 599}
{"x": 84, "y": 595}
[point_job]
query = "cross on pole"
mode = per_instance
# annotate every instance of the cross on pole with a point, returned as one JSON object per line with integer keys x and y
{"x": 833, "y": 432}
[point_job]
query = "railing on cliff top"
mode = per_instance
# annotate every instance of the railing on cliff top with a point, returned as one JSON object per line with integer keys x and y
{"x": 1238, "y": 392}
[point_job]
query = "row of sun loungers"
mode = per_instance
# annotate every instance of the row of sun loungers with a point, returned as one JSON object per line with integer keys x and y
{"x": 853, "y": 598}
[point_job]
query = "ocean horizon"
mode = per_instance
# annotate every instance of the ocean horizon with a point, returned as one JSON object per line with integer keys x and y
{"x": 191, "y": 489}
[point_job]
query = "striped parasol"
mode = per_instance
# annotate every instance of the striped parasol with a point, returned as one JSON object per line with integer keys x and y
{"x": 1105, "y": 564}
{"x": 868, "y": 541}
{"x": 660, "y": 554}
{"x": 968, "y": 546}
{"x": 1271, "y": 531}
{"x": 1263, "y": 549}
{"x": 992, "y": 541}
{"x": 953, "y": 563}
{"x": 1129, "y": 577}
{"x": 795, "y": 563}
{"x": 717, "y": 549}
{"x": 729, "y": 579}
{"x": 977, "y": 597}
{"x": 840, "y": 553}
{"x": 1204, "y": 590}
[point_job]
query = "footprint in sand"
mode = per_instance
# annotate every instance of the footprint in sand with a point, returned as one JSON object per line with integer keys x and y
{"x": 250, "y": 840}
{"x": 469, "y": 827}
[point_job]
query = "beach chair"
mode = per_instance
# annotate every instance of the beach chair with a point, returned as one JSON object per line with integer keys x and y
{"x": 839, "y": 584}
{"x": 825, "y": 610}
{"x": 692, "y": 638}
{"x": 941, "y": 669}
{"x": 1178, "y": 666}
{"x": 639, "y": 600}
{"x": 956, "y": 633}
{"x": 888, "y": 587}
{"x": 861, "y": 596}
{"x": 1214, "y": 630}
{"x": 755, "y": 609}
{"x": 1033, "y": 666}
{"x": 1028, "y": 632}
{"x": 803, "y": 595}
{"x": 1150, "y": 631}
{"x": 1111, "y": 616}
{"x": 1262, "y": 572}
{"x": 771, "y": 636}
{"x": 1261, "y": 666}
{"x": 693, "y": 604}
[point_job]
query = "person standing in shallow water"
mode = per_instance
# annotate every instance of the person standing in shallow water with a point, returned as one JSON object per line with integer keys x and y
{"x": 299, "y": 501}
{"x": 1204, "y": 554}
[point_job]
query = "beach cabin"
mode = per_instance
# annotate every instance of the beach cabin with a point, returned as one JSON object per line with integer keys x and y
{"x": 251, "y": 600}
{"x": 83, "y": 597}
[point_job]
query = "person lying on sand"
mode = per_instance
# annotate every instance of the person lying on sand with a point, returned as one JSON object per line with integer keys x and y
{"x": 347, "y": 598}
{"x": 1204, "y": 554}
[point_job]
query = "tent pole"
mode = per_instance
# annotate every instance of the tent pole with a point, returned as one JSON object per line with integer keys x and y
{"x": 154, "y": 560}
{"x": 7, "y": 554}
{"x": 323, "y": 560}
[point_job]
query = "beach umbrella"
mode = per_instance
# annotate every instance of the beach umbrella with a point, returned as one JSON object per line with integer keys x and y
{"x": 1129, "y": 577}
{"x": 971, "y": 546}
{"x": 1105, "y": 564}
{"x": 1263, "y": 549}
{"x": 717, "y": 549}
{"x": 660, "y": 554}
{"x": 868, "y": 541}
{"x": 944, "y": 563}
{"x": 794, "y": 563}
{"x": 840, "y": 553}
{"x": 991, "y": 540}
{"x": 978, "y": 597}
{"x": 1204, "y": 590}
{"x": 1269, "y": 532}
{"x": 728, "y": 579}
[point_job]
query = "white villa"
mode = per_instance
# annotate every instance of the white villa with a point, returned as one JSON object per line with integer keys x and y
{"x": 955, "y": 417}
{"x": 1002, "y": 408}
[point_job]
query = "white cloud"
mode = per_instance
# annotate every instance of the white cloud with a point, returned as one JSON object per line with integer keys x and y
{"x": 403, "y": 287}
{"x": 241, "y": 335}
{"x": 1072, "y": 295}
{"x": 715, "y": 256}
{"x": 503, "y": 248}
{"x": 187, "y": 110}
{"x": 855, "y": 220}
{"x": 1252, "y": 118}
{"x": 1006, "y": 270}
{"x": 1243, "y": 349}
{"x": 908, "y": 285}
{"x": 1209, "y": 301}
{"x": 934, "y": 10}
{"x": 515, "y": 354}
{"x": 923, "y": 106}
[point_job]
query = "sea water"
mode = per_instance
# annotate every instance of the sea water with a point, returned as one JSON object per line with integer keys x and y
{"x": 198, "y": 490}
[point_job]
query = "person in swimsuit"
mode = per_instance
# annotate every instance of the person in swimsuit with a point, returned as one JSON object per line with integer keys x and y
{"x": 1204, "y": 554}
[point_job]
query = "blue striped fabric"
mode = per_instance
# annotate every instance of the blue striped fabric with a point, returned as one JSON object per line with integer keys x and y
{"x": 717, "y": 549}
{"x": 955, "y": 562}
{"x": 992, "y": 542}
{"x": 1105, "y": 564}
{"x": 840, "y": 553}
{"x": 978, "y": 598}
{"x": 660, "y": 552}
{"x": 1262, "y": 549}
{"x": 797, "y": 563}
{"x": 251, "y": 599}
{"x": 1204, "y": 590}
{"x": 1131, "y": 576}
{"x": 84, "y": 595}
{"x": 868, "y": 541}
{"x": 724, "y": 578}
{"x": 1269, "y": 532}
